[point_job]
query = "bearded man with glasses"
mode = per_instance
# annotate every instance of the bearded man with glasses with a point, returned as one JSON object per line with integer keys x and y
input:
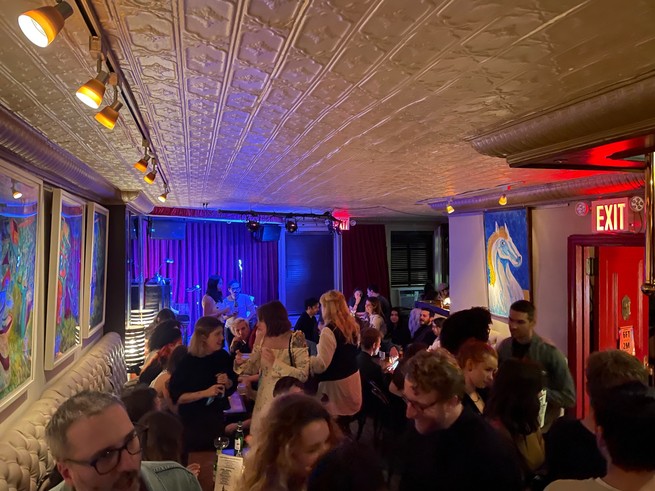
{"x": 451, "y": 447}
{"x": 97, "y": 448}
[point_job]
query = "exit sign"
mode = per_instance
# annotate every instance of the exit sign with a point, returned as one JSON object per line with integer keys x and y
{"x": 611, "y": 215}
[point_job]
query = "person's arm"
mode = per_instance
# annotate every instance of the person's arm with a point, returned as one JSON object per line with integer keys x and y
{"x": 561, "y": 389}
{"x": 189, "y": 397}
{"x": 252, "y": 364}
{"x": 327, "y": 345}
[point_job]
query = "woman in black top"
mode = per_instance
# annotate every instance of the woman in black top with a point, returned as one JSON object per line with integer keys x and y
{"x": 201, "y": 384}
{"x": 479, "y": 363}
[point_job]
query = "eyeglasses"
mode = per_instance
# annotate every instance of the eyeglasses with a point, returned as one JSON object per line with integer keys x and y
{"x": 111, "y": 457}
{"x": 418, "y": 406}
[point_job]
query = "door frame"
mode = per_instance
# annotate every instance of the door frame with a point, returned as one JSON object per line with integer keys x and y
{"x": 578, "y": 306}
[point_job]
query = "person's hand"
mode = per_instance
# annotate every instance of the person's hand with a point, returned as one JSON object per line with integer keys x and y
{"x": 194, "y": 469}
{"x": 215, "y": 390}
{"x": 221, "y": 378}
{"x": 268, "y": 358}
{"x": 238, "y": 359}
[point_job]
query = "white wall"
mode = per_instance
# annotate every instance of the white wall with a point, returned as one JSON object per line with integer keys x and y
{"x": 551, "y": 227}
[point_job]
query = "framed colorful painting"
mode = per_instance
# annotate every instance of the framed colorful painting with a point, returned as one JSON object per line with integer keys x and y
{"x": 65, "y": 278}
{"x": 21, "y": 230}
{"x": 95, "y": 269}
{"x": 507, "y": 241}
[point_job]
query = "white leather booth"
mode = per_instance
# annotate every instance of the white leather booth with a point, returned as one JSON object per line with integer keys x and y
{"x": 25, "y": 460}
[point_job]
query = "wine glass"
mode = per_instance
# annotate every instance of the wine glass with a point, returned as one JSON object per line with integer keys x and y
{"x": 220, "y": 443}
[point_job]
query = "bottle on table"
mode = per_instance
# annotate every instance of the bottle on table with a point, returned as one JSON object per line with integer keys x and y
{"x": 239, "y": 440}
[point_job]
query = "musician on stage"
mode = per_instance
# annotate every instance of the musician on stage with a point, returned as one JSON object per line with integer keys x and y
{"x": 213, "y": 298}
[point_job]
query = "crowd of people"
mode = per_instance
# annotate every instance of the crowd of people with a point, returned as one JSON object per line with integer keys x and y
{"x": 448, "y": 410}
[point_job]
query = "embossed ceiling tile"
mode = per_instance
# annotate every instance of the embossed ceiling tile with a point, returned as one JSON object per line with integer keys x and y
{"x": 502, "y": 32}
{"x": 274, "y": 13}
{"x": 283, "y": 97}
{"x": 202, "y": 107}
{"x": 248, "y": 78}
{"x": 356, "y": 102}
{"x": 396, "y": 17}
{"x": 299, "y": 71}
{"x": 157, "y": 68}
{"x": 203, "y": 87}
{"x": 357, "y": 59}
{"x": 321, "y": 33}
{"x": 209, "y": 20}
{"x": 260, "y": 48}
{"x": 311, "y": 107}
{"x": 150, "y": 32}
{"x": 206, "y": 59}
{"x": 331, "y": 88}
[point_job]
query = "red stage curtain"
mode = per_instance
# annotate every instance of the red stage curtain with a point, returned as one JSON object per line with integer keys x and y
{"x": 215, "y": 248}
{"x": 365, "y": 259}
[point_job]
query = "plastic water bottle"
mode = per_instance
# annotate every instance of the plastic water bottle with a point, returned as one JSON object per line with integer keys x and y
{"x": 239, "y": 440}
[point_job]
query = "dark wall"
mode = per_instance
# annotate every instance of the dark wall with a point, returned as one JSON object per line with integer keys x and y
{"x": 116, "y": 316}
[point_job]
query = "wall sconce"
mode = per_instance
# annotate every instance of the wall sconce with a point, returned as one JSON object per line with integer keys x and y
{"x": 42, "y": 25}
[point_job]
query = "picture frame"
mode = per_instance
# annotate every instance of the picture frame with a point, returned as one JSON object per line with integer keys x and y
{"x": 21, "y": 289}
{"x": 95, "y": 269}
{"x": 508, "y": 258}
{"x": 65, "y": 279}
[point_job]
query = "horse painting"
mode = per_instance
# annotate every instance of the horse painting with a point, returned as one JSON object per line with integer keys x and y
{"x": 503, "y": 257}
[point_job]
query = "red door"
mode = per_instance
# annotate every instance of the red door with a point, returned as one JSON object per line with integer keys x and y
{"x": 606, "y": 307}
{"x": 621, "y": 308}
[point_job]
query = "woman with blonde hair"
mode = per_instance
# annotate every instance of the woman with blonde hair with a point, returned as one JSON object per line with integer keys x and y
{"x": 335, "y": 365}
{"x": 298, "y": 431}
{"x": 200, "y": 385}
{"x": 279, "y": 353}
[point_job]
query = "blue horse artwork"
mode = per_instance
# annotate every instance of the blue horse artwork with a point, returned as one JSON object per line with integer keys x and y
{"x": 508, "y": 266}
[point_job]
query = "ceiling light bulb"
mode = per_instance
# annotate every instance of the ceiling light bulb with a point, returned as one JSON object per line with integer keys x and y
{"x": 450, "y": 209}
{"x": 16, "y": 193}
{"x": 109, "y": 115}
{"x": 142, "y": 165}
{"x": 502, "y": 201}
{"x": 162, "y": 197}
{"x": 150, "y": 177}
{"x": 92, "y": 92}
{"x": 42, "y": 25}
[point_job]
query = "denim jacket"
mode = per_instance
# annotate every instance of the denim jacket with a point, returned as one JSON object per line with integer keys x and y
{"x": 159, "y": 476}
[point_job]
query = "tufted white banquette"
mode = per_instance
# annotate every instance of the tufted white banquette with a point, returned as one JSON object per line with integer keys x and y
{"x": 24, "y": 457}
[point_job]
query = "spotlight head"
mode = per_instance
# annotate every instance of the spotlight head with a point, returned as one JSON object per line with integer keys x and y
{"x": 92, "y": 92}
{"x": 109, "y": 115}
{"x": 15, "y": 193}
{"x": 291, "y": 226}
{"x": 42, "y": 25}
{"x": 150, "y": 177}
{"x": 164, "y": 196}
{"x": 142, "y": 165}
{"x": 450, "y": 209}
{"x": 252, "y": 225}
{"x": 502, "y": 201}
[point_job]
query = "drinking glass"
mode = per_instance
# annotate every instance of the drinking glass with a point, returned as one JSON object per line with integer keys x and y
{"x": 221, "y": 443}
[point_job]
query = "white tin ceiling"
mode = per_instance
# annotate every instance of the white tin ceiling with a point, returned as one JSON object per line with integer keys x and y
{"x": 349, "y": 104}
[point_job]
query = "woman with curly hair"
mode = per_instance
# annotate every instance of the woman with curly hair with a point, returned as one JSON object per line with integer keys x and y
{"x": 298, "y": 431}
{"x": 335, "y": 365}
{"x": 280, "y": 352}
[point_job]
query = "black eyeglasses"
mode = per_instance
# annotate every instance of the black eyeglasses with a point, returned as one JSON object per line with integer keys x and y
{"x": 111, "y": 457}
{"x": 418, "y": 406}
